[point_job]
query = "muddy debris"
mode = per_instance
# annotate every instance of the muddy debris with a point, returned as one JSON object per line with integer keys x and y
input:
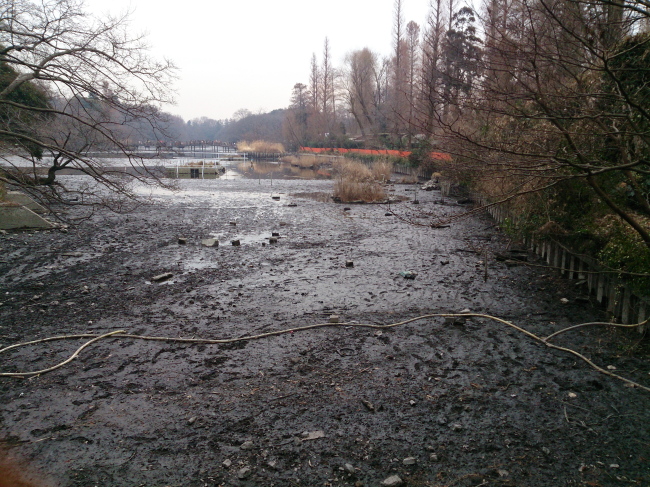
{"x": 162, "y": 277}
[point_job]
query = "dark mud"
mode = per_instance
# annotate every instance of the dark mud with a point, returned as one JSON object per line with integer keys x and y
{"x": 466, "y": 404}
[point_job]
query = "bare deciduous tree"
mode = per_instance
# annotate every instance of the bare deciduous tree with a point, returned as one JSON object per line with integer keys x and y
{"x": 360, "y": 88}
{"x": 94, "y": 86}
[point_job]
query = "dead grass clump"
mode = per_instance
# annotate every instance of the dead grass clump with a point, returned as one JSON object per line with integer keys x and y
{"x": 355, "y": 182}
{"x": 346, "y": 190}
{"x": 260, "y": 146}
{"x": 382, "y": 170}
{"x": 352, "y": 170}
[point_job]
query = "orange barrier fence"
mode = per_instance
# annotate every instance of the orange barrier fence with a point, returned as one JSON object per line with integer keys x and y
{"x": 373, "y": 152}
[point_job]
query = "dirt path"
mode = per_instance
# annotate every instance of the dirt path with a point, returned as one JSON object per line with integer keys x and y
{"x": 432, "y": 403}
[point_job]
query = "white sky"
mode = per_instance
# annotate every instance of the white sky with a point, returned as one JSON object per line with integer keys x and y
{"x": 234, "y": 54}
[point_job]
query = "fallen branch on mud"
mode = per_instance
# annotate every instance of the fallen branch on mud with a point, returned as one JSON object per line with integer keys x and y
{"x": 122, "y": 334}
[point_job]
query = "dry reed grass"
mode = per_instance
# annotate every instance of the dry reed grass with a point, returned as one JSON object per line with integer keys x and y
{"x": 382, "y": 170}
{"x": 260, "y": 146}
{"x": 356, "y": 182}
{"x": 352, "y": 170}
{"x": 368, "y": 191}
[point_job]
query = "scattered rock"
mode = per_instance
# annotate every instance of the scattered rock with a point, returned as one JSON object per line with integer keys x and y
{"x": 192, "y": 420}
{"x": 313, "y": 435}
{"x": 410, "y": 461}
{"x": 162, "y": 277}
{"x": 335, "y": 319}
{"x": 611, "y": 367}
{"x": 244, "y": 473}
{"x": 235, "y": 243}
{"x": 292, "y": 205}
{"x": 349, "y": 468}
{"x": 227, "y": 463}
{"x": 247, "y": 445}
{"x": 408, "y": 274}
{"x": 412, "y": 403}
{"x": 503, "y": 473}
{"x": 182, "y": 240}
{"x": 349, "y": 263}
{"x": 347, "y": 208}
{"x": 273, "y": 240}
{"x": 369, "y": 406}
{"x": 572, "y": 395}
{"x": 614, "y": 465}
{"x": 233, "y": 224}
{"x": 393, "y": 480}
{"x": 276, "y": 198}
{"x": 388, "y": 213}
{"x": 210, "y": 242}
{"x": 431, "y": 186}
{"x": 275, "y": 234}
{"x": 433, "y": 457}
{"x": 456, "y": 427}
{"x": 444, "y": 262}
{"x": 564, "y": 301}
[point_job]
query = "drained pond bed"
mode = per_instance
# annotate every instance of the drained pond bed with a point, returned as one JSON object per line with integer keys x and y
{"x": 432, "y": 402}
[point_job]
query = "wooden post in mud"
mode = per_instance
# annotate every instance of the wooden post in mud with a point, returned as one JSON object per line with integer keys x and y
{"x": 612, "y": 295}
{"x": 625, "y": 306}
{"x": 642, "y": 315}
{"x": 601, "y": 288}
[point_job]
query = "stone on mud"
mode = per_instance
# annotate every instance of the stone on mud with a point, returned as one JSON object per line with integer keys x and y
{"x": 247, "y": 445}
{"x": 393, "y": 480}
{"x": 408, "y": 274}
{"x": 235, "y": 243}
{"x": 210, "y": 242}
{"x": 410, "y": 461}
{"x": 162, "y": 277}
{"x": 244, "y": 473}
{"x": 313, "y": 435}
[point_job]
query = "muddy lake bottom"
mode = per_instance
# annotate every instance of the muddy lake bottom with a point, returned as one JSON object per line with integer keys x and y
{"x": 436, "y": 404}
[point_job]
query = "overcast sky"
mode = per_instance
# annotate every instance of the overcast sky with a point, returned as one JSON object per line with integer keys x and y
{"x": 235, "y": 54}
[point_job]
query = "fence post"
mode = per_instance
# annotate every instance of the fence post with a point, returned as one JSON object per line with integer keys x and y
{"x": 601, "y": 288}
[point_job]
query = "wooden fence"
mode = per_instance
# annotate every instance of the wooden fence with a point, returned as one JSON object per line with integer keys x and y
{"x": 417, "y": 172}
{"x": 609, "y": 288}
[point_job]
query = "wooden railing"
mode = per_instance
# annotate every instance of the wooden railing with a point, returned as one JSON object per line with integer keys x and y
{"x": 609, "y": 287}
